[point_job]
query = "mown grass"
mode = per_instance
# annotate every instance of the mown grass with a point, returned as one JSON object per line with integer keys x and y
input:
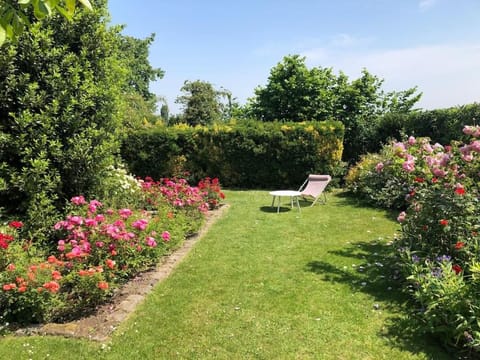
{"x": 262, "y": 285}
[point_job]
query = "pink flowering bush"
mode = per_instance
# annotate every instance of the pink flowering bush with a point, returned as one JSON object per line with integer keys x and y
{"x": 182, "y": 199}
{"x": 379, "y": 179}
{"x": 440, "y": 240}
{"x": 176, "y": 192}
{"x": 96, "y": 250}
{"x": 94, "y": 236}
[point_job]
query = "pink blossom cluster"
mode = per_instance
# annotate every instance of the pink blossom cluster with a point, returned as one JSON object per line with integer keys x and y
{"x": 418, "y": 155}
{"x": 176, "y": 192}
{"x": 446, "y": 166}
{"x": 109, "y": 234}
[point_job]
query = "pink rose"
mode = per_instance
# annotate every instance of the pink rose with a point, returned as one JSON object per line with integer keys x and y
{"x": 150, "y": 241}
{"x": 78, "y": 200}
{"x": 408, "y": 165}
{"x": 166, "y": 236}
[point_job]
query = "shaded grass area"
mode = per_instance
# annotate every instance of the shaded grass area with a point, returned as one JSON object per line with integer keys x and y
{"x": 315, "y": 284}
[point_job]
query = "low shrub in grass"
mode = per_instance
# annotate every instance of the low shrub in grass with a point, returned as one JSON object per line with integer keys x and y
{"x": 440, "y": 239}
{"x": 98, "y": 249}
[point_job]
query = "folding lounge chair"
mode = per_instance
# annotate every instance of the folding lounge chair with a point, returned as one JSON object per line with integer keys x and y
{"x": 314, "y": 186}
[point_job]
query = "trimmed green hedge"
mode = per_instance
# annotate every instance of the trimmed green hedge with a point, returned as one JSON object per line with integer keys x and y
{"x": 440, "y": 125}
{"x": 246, "y": 155}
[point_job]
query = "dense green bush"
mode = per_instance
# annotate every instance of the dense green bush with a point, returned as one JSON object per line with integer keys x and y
{"x": 443, "y": 125}
{"x": 60, "y": 88}
{"x": 248, "y": 154}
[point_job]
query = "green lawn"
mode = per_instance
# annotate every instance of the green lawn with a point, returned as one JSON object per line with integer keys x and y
{"x": 262, "y": 285}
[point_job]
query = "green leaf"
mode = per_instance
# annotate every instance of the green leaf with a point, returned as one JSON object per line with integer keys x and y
{"x": 7, "y": 17}
{"x": 24, "y": 2}
{"x": 10, "y": 31}
{"x": 41, "y": 9}
{"x": 70, "y": 5}
{"x": 86, "y": 3}
{"x": 3, "y": 35}
{"x": 65, "y": 13}
{"x": 17, "y": 24}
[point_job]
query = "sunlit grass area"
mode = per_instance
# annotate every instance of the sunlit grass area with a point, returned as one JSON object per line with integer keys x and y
{"x": 315, "y": 284}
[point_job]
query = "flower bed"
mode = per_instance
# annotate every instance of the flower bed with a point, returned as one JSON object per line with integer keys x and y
{"x": 98, "y": 248}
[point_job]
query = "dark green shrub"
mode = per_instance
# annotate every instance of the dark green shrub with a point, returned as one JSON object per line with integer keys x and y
{"x": 60, "y": 88}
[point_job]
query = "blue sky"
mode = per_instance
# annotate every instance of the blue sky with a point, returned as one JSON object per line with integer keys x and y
{"x": 432, "y": 44}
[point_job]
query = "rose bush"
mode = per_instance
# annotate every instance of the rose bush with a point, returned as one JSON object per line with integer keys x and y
{"x": 439, "y": 243}
{"x": 98, "y": 248}
{"x": 211, "y": 192}
{"x": 378, "y": 180}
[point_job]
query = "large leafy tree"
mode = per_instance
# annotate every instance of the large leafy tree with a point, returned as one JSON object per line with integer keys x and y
{"x": 139, "y": 104}
{"x": 62, "y": 87}
{"x": 296, "y": 93}
{"x": 15, "y": 15}
{"x": 200, "y": 100}
{"x": 141, "y": 73}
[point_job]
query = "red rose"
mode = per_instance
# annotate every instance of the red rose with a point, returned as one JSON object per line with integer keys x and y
{"x": 459, "y": 245}
{"x": 15, "y": 224}
{"x": 457, "y": 268}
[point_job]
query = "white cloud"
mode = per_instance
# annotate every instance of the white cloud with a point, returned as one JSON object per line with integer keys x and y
{"x": 349, "y": 41}
{"x": 343, "y": 40}
{"x": 446, "y": 74}
{"x": 426, "y": 4}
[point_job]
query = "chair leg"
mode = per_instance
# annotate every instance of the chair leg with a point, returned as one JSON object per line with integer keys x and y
{"x": 324, "y": 201}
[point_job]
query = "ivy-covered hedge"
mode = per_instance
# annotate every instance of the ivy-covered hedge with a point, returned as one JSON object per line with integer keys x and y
{"x": 246, "y": 155}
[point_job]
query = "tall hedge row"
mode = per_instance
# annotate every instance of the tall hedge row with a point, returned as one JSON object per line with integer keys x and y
{"x": 440, "y": 125}
{"x": 247, "y": 155}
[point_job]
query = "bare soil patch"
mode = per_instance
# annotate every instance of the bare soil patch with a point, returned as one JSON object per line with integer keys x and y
{"x": 107, "y": 317}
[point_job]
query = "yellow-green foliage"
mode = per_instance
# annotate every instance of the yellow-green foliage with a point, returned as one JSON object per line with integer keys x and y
{"x": 366, "y": 165}
{"x": 246, "y": 154}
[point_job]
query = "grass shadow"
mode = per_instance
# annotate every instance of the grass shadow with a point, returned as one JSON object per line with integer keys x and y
{"x": 375, "y": 272}
{"x": 347, "y": 199}
{"x": 274, "y": 209}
